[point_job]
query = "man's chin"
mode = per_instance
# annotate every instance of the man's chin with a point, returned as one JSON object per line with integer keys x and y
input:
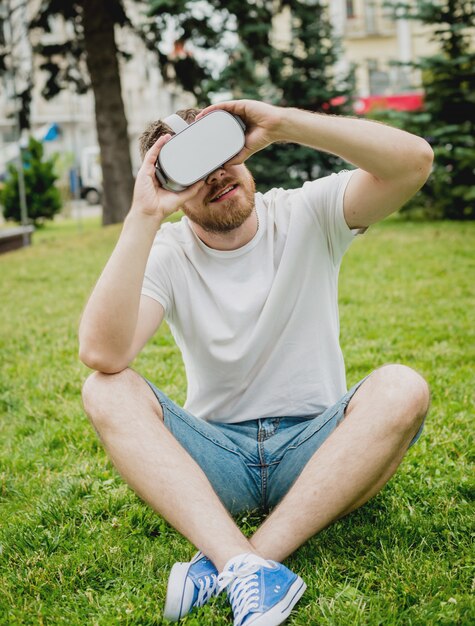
{"x": 218, "y": 228}
{"x": 221, "y": 229}
{"x": 228, "y": 219}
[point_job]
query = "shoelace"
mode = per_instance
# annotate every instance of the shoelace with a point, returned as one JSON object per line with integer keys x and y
{"x": 244, "y": 593}
{"x": 208, "y": 587}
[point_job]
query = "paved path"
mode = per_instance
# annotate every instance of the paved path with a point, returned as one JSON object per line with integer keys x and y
{"x": 81, "y": 210}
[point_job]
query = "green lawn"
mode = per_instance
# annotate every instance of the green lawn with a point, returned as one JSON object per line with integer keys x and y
{"x": 78, "y": 547}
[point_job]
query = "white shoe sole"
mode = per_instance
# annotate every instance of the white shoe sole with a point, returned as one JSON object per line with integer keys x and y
{"x": 177, "y": 603}
{"x": 281, "y": 611}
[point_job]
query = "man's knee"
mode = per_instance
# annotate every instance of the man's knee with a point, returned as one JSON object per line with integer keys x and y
{"x": 403, "y": 395}
{"x": 108, "y": 398}
{"x": 408, "y": 390}
{"x": 99, "y": 395}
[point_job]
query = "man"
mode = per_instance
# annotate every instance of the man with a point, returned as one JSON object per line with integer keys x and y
{"x": 248, "y": 284}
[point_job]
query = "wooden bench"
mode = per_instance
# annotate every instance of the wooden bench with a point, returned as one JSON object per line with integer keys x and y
{"x": 13, "y": 238}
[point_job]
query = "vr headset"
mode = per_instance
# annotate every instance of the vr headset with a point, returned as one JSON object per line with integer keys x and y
{"x": 199, "y": 148}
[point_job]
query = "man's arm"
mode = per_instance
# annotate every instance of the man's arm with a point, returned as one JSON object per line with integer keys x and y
{"x": 393, "y": 164}
{"x": 118, "y": 320}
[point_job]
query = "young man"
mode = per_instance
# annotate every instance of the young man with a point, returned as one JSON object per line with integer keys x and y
{"x": 248, "y": 284}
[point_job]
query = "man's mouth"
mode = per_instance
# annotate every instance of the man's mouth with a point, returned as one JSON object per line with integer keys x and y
{"x": 224, "y": 193}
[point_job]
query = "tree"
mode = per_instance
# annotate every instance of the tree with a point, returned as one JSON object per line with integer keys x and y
{"x": 448, "y": 119}
{"x": 43, "y": 198}
{"x": 14, "y": 66}
{"x": 300, "y": 73}
{"x": 88, "y": 57}
{"x": 204, "y": 24}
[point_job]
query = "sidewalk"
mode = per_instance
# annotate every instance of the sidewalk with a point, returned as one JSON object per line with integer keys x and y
{"x": 77, "y": 210}
{"x": 80, "y": 209}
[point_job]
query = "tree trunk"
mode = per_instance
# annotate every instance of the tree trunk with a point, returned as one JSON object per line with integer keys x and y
{"x": 111, "y": 122}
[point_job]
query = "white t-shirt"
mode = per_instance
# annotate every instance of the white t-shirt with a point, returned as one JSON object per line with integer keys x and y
{"x": 258, "y": 327}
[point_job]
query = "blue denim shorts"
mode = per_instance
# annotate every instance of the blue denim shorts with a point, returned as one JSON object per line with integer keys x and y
{"x": 251, "y": 465}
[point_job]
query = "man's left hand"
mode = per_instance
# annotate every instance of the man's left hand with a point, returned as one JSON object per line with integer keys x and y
{"x": 262, "y": 121}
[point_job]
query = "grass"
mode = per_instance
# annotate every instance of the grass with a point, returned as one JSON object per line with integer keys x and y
{"x": 78, "y": 547}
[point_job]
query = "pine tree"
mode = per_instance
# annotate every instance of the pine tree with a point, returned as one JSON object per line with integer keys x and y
{"x": 303, "y": 75}
{"x": 448, "y": 121}
{"x": 42, "y": 196}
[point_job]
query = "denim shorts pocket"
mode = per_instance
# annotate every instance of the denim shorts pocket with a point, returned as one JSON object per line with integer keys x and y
{"x": 205, "y": 429}
{"x": 316, "y": 424}
{"x": 172, "y": 412}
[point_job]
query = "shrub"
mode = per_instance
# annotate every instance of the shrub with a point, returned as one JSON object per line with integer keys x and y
{"x": 42, "y": 197}
{"x": 448, "y": 120}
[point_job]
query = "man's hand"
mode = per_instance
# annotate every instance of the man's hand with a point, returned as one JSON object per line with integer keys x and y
{"x": 262, "y": 121}
{"x": 149, "y": 196}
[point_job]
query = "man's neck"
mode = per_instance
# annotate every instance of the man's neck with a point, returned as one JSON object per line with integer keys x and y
{"x": 232, "y": 240}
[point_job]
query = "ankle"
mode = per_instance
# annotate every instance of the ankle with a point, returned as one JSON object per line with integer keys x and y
{"x": 246, "y": 558}
{"x": 228, "y": 557}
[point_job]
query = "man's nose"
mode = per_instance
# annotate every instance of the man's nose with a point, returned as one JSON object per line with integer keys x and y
{"x": 216, "y": 176}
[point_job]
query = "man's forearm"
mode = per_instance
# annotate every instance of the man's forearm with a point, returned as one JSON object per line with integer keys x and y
{"x": 110, "y": 317}
{"x": 383, "y": 151}
{"x": 114, "y": 326}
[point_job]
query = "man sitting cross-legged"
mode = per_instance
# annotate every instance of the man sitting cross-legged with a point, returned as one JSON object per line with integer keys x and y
{"x": 248, "y": 284}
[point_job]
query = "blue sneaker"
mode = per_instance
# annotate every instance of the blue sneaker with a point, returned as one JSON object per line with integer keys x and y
{"x": 190, "y": 585}
{"x": 262, "y": 593}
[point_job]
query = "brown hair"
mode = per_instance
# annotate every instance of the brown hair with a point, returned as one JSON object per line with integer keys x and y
{"x": 158, "y": 128}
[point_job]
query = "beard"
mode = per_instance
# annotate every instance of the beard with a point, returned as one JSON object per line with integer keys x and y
{"x": 227, "y": 215}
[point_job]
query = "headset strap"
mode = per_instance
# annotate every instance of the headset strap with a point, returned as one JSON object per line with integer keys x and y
{"x": 176, "y": 123}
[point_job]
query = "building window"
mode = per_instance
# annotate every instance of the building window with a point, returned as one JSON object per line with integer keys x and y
{"x": 350, "y": 8}
{"x": 8, "y": 134}
{"x": 379, "y": 81}
{"x": 370, "y": 17}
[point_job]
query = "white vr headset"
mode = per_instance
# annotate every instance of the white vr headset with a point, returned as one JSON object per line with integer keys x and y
{"x": 198, "y": 149}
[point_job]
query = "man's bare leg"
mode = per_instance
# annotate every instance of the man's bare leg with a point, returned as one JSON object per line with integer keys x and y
{"x": 129, "y": 421}
{"x": 353, "y": 464}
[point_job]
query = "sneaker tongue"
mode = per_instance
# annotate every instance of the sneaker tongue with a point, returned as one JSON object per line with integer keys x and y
{"x": 245, "y": 559}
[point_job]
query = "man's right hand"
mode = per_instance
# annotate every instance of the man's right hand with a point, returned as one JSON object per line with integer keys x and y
{"x": 150, "y": 198}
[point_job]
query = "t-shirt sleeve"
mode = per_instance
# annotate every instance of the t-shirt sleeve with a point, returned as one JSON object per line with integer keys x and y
{"x": 324, "y": 197}
{"x": 156, "y": 282}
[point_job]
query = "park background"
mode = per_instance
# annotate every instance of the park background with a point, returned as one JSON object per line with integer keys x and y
{"x": 76, "y": 545}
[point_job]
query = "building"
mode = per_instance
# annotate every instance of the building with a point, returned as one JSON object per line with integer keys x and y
{"x": 372, "y": 41}
{"x": 66, "y": 123}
